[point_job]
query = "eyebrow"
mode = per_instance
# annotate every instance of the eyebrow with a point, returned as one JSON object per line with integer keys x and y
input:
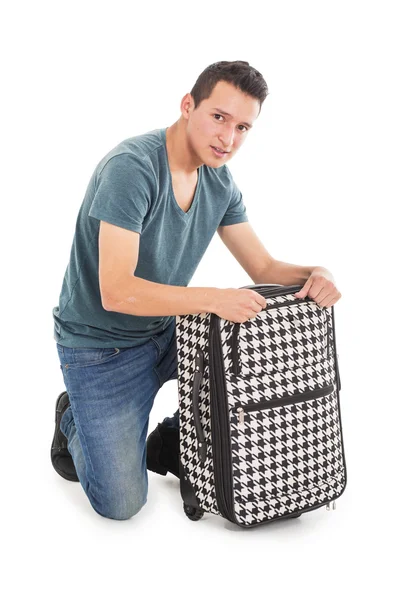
{"x": 222, "y": 112}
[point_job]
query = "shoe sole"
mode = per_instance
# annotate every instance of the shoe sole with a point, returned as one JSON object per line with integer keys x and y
{"x": 57, "y": 459}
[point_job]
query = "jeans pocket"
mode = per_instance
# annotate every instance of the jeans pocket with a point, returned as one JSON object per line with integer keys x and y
{"x": 88, "y": 357}
{"x": 163, "y": 340}
{"x": 156, "y": 346}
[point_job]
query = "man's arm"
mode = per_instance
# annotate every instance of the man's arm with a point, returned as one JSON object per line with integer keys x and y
{"x": 285, "y": 273}
{"x": 146, "y": 298}
{"x": 121, "y": 291}
{"x": 317, "y": 282}
{"x": 249, "y": 251}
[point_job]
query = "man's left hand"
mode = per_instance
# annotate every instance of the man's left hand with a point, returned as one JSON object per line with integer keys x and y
{"x": 321, "y": 288}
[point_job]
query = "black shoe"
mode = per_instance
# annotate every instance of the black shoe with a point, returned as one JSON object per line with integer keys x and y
{"x": 162, "y": 450}
{"x": 60, "y": 456}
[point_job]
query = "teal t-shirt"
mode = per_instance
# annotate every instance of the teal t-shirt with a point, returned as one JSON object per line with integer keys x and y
{"x": 131, "y": 187}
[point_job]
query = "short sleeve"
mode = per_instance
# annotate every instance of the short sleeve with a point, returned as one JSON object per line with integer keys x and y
{"x": 236, "y": 211}
{"x": 123, "y": 192}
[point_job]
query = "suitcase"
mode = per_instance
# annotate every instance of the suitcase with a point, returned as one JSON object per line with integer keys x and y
{"x": 259, "y": 409}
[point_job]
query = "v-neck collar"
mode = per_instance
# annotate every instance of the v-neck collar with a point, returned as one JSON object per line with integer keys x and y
{"x": 188, "y": 214}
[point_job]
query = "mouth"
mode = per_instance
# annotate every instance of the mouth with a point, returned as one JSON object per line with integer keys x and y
{"x": 219, "y": 152}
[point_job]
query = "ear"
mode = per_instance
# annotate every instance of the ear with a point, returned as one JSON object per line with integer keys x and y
{"x": 187, "y": 105}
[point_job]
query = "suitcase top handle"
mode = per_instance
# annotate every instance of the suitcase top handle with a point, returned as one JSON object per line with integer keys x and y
{"x": 272, "y": 290}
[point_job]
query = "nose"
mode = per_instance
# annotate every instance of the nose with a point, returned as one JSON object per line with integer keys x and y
{"x": 227, "y": 136}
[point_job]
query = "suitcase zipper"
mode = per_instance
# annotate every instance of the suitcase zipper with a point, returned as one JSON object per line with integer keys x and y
{"x": 235, "y": 348}
{"x": 284, "y": 401}
{"x": 335, "y": 353}
{"x": 328, "y": 344}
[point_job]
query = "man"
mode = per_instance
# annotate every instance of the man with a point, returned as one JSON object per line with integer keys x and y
{"x": 150, "y": 211}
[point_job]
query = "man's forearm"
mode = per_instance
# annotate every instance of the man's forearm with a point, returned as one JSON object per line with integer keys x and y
{"x": 145, "y": 298}
{"x": 285, "y": 274}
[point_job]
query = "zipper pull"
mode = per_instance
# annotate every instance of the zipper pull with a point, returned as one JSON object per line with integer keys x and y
{"x": 329, "y": 505}
{"x": 240, "y": 412}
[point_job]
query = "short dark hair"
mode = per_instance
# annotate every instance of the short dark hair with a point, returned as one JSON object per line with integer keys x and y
{"x": 237, "y": 72}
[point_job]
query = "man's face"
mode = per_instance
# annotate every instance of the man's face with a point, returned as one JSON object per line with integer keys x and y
{"x": 208, "y": 128}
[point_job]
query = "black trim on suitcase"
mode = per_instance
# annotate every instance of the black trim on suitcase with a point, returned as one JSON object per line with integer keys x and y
{"x": 186, "y": 488}
{"x": 219, "y": 424}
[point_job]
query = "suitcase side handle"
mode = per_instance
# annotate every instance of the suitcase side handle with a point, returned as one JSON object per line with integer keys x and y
{"x": 198, "y": 375}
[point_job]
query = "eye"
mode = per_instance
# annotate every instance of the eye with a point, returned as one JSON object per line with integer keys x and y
{"x": 222, "y": 117}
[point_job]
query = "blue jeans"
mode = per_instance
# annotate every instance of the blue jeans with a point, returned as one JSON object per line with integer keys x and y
{"x": 111, "y": 393}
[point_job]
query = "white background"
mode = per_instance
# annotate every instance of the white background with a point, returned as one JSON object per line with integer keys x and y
{"x": 317, "y": 174}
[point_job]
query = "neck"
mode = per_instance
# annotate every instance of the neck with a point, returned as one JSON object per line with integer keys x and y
{"x": 181, "y": 158}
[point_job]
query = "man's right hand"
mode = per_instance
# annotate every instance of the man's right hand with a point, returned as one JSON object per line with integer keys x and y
{"x": 238, "y": 305}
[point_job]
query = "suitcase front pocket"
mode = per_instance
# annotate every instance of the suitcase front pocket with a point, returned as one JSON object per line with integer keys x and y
{"x": 286, "y": 445}
{"x": 285, "y": 401}
{"x": 281, "y": 339}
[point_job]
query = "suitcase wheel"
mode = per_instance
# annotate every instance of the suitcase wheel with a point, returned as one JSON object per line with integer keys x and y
{"x": 193, "y": 513}
{"x": 295, "y": 516}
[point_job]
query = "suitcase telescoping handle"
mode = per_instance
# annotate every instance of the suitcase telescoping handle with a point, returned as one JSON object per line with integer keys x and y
{"x": 198, "y": 375}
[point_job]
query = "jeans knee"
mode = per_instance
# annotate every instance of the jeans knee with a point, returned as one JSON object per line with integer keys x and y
{"x": 121, "y": 509}
{"x": 120, "y": 503}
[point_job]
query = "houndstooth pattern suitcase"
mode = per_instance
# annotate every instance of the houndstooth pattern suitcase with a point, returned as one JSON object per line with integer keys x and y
{"x": 260, "y": 423}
